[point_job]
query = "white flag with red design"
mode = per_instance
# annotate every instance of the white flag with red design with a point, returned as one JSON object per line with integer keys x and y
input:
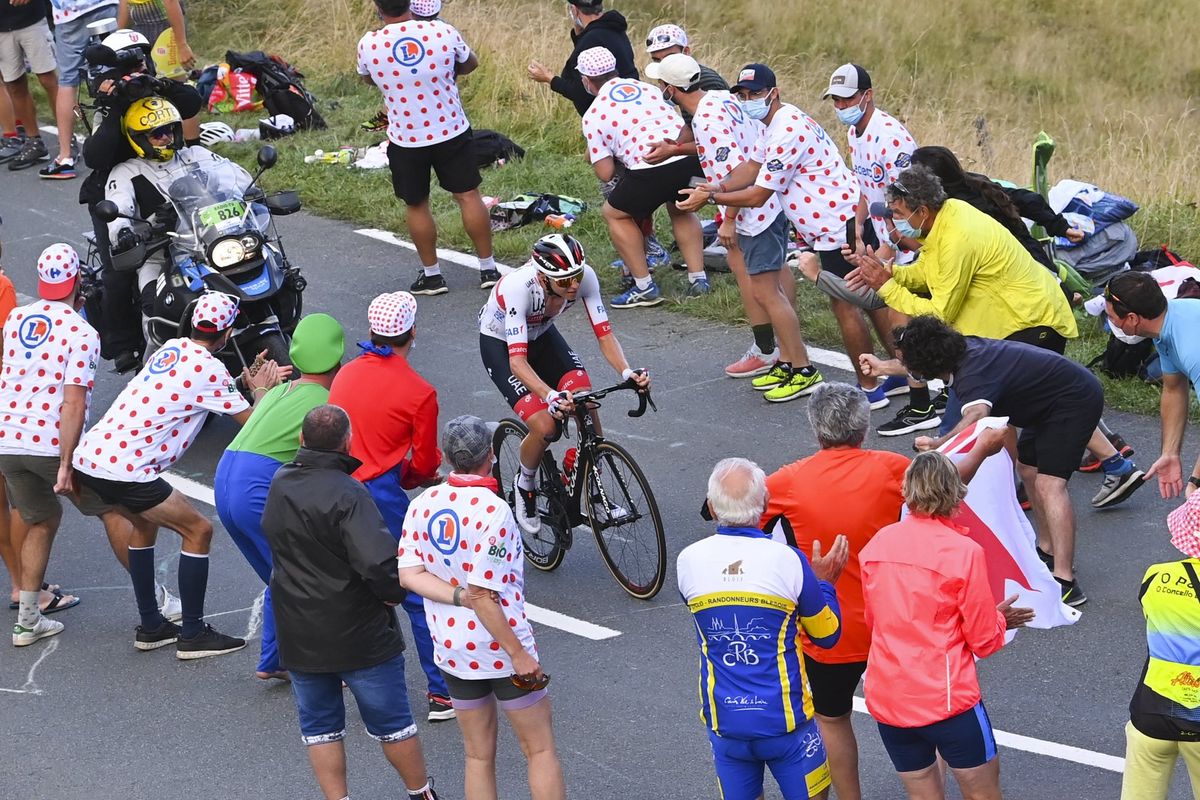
{"x": 994, "y": 519}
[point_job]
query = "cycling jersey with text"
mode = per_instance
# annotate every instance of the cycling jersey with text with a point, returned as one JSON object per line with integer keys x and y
{"x": 517, "y": 313}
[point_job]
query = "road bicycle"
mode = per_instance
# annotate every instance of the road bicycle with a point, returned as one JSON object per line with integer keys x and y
{"x": 599, "y": 484}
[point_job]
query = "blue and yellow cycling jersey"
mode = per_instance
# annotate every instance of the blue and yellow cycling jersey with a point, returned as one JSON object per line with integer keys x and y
{"x": 749, "y": 595}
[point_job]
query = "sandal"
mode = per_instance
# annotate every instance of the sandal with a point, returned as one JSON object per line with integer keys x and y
{"x": 53, "y": 588}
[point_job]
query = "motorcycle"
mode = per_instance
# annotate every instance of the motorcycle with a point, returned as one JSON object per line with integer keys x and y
{"x": 217, "y": 234}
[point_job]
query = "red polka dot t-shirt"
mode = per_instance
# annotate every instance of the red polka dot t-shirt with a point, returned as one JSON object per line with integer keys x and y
{"x": 803, "y": 165}
{"x": 624, "y": 119}
{"x": 726, "y": 137}
{"x": 879, "y": 154}
{"x": 412, "y": 63}
{"x": 47, "y": 346}
{"x": 156, "y": 418}
{"x": 462, "y": 532}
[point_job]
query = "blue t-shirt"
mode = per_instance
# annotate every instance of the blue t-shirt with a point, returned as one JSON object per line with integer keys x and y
{"x": 1178, "y": 342}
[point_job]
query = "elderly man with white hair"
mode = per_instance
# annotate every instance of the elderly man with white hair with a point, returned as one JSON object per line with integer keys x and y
{"x": 750, "y": 597}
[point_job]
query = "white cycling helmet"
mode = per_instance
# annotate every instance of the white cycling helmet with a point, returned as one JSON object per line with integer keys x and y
{"x": 213, "y": 132}
{"x": 125, "y": 39}
{"x": 558, "y": 255}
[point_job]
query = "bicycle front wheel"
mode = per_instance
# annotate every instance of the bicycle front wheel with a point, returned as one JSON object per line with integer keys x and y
{"x": 625, "y": 519}
{"x": 543, "y": 549}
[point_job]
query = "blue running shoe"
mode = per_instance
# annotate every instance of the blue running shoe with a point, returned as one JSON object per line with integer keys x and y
{"x": 877, "y": 397}
{"x": 894, "y": 385}
{"x": 634, "y": 297}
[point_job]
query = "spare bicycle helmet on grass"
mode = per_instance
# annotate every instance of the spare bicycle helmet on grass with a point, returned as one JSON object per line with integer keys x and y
{"x": 214, "y": 132}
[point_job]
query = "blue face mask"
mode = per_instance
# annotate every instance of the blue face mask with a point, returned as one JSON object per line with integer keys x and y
{"x": 851, "y": 115}
{"x": 907, "y": 230}
{"x": 758, "y": 108}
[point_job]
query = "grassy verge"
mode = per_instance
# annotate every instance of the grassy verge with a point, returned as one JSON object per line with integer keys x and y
{"x": 983, "y": 86}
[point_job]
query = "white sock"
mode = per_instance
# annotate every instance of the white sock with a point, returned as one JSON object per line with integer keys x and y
{"x": 436, "y": 269}
{"x": 644, "y": 283}
{"x": 696, "y": 277}
{"x": 28, "y": 615}
{"x": 487, "y": 263}
{"x": 422, "y": 792}
{"x": 525, "y": 479}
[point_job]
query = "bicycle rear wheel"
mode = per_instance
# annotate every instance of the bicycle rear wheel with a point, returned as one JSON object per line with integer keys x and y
{"x": 625, "y": 520}
{"x": 543, "y": 549}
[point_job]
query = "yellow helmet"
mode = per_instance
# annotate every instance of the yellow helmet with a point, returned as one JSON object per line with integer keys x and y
{"x": 149, "y": 114}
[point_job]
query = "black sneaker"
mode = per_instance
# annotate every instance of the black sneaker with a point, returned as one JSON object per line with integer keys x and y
{"x": 10, "y": 147}
{"x": 34, "y": 152}
{"x": 1118, "y": 488}
{"x": 488, "y": 278}
{"x": 1046, "y": 558}
{"x": 165, "y": 634}
{"x": 440, "y": 708}
{"x": 1072, "y": 594}
{"x": 56, "y": 171}
{"x": 939, "y": 402}
{"x": 209, "y": 642}
{"x": 908, "y": 420}
{"x": 429, "y": 284}
{"x": 127, "y": 361}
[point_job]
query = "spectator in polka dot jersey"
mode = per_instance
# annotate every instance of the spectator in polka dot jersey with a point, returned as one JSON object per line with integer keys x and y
{"x": 148, "y": 428}
{"x": 463, "y": 535}
{"x": 49, "y": 366}
{"x": 334, "y": 588}
{"x": 415, "y": 64}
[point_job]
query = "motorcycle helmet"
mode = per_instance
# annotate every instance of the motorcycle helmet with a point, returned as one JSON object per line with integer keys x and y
{"x": 558, "y": 256}
{"x": 213, "y": 132}
{"x": 150, "y": 114}
{"x": 129, "y": 45}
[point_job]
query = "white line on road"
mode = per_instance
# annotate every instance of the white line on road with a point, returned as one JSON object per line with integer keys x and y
{"x": 30, "y": 686}
{"x": 204, "y": 494}
{"x": 1041, "y": 747}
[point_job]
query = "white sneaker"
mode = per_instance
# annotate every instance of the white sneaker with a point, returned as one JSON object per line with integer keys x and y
{"x": 42, "y": 629}
{"x": 170, "y": 605}
{"x": 526, "y": 511}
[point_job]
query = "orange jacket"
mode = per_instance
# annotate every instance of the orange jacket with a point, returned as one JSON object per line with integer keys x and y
{"x": 931, "y": 614}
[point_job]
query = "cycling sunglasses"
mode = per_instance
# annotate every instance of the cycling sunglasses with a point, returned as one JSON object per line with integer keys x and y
{"x": 537, "y": 684}
{"x": 567, "y": 282}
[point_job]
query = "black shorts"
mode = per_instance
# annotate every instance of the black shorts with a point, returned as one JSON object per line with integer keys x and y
{"x": 551, "y": 358}
{"x": 1042, "y": 336}
{"x": 833, "y": 685}
{"x": 640, "y": 192}
{"x": 136, "y": 497}
{"x": 453, "y": 161}
{"x": 832, "y": 261}
{"x": 964, "y": 741}
{"x": 1054, "y": 447}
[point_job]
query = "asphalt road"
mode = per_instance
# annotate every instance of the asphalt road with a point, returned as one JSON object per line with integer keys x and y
{"x": 84, "y": 715}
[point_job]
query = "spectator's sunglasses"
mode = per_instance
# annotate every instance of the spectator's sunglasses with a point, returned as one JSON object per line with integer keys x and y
{"x": 900, "y": 189}
{"x": 535, "y": 685}
{"x": 662, "y": 38}
{"x": 1113, "y": 298}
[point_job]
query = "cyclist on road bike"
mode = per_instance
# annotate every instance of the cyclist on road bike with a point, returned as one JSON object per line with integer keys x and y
{"x": 528, "y": 359}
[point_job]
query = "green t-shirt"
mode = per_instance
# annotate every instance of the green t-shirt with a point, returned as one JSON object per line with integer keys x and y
{"x": 273, "y": 430}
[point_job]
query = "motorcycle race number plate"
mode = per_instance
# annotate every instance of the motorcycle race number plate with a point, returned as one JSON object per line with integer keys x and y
{"x": 220, "y": 214}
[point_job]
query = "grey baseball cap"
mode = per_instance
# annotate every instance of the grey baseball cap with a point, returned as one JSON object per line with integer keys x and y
{"x": 467, "y": 441}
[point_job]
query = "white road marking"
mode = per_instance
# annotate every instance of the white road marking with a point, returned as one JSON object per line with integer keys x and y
{"x": 204, "y": 494}
{"x": 1041, "y": 747}
{"x": 30, "y": 686}
{"x": 254, "y": 624}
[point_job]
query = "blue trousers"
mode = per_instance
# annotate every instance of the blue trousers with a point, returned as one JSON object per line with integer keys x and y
{"x": 242, "y": 481}
{"x": 393, "y": 505}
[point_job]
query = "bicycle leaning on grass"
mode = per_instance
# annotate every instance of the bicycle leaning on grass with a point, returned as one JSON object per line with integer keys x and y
{"x": 599, "y": 484}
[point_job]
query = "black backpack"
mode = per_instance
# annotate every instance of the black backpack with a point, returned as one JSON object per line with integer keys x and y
{"x": 1123, "y": 360}
{"x": 281, "y": 88}
{"x": 491, "y": 147}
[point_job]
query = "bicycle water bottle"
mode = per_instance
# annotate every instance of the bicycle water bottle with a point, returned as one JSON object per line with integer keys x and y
{"x": 569, "y": 466}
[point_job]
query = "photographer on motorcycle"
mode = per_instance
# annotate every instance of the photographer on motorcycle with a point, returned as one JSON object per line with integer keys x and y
{"x": 152, "y": 129}
{"x": 120, "y": 73}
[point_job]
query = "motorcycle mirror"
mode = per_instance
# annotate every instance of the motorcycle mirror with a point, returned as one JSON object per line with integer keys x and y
{"x": 267, "y": 156}
{"x": 107, "y": 211}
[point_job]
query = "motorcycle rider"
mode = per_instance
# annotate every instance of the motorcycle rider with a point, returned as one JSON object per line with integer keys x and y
{"x": 153, "y": 129}
{"x": 114, "y": 91}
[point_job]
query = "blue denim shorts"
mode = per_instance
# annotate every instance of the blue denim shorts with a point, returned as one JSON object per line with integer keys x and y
{"x": 766, "y": 251}
{"x": 797, "y": 762}
{"x": 70, "y": 38}
{"x": 379, "y": 691}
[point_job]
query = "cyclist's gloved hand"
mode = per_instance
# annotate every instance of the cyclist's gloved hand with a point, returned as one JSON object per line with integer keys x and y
{"x": 559, "y": 403}
{"x": 640, "y": 376}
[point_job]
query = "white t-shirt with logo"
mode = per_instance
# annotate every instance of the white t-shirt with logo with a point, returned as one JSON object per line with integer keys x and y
{"x": 626, "y": 117}
{"x": 726, "y": 137}
{"x": 879, "y": 154}
{"x": 462, "y": 532}
{"x": 413, "y": 63}
{"x": 156, "y": 418}
{"x": 802, "y": 165}
{"x": 47, "y": 347}
{"x": 67, "y": 10}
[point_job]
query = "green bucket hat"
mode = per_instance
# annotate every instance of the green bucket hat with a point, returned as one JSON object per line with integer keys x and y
{"x": 317, "y": 344}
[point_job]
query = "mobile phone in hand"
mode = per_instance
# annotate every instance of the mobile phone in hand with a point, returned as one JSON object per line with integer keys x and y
{"x": 697, "y": 181}
{"x": 851, "y": 230}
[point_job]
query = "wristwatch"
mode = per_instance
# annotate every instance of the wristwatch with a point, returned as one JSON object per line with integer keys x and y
{"x": 1194, "y": 481}
{"x": 712, "y": 198}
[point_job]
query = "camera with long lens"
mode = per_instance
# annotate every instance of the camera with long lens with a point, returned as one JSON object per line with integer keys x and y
{"x": 120, "y": 56}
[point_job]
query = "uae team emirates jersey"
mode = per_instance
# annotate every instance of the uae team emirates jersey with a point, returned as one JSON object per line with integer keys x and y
{"x": 463, "y": 533}
{"x": 413, "y": 63}
{"x": 47, "y": 347}
{"x": 625, "y": 119}
{"x": 725, "y": 138}
{"x": 801, "y": 163}
{"x": 517, "y": 311}
{"x": 155, "y": 419}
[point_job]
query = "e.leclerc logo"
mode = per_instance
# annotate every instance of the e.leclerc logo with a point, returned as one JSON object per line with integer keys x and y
{"x": 625, "y": 93}
{"x": 444, "y": 531}
{"x": 34, "y": 330}
{"x": 164, "y": 360}
{"x": 408, "y": 52}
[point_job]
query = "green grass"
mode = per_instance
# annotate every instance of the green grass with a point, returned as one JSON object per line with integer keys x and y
{"x": 983, "y": 86}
